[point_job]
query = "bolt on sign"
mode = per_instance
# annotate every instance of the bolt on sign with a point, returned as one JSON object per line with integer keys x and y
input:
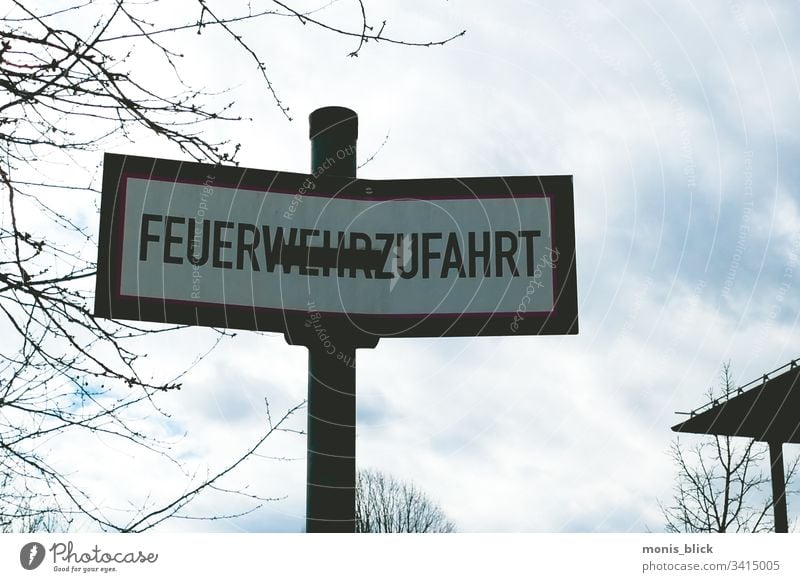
{"x": 225, "y": 246}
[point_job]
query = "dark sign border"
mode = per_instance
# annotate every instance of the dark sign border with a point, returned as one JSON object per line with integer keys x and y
{"x": 109, "y": 303}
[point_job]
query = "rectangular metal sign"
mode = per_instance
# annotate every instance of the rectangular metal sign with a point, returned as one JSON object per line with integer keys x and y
{"x": 253, "y": 249}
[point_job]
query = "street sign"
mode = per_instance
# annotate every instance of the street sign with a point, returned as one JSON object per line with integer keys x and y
{"x": 225, "y": 246}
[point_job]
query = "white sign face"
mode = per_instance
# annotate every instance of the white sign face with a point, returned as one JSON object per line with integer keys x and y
{"x": 192, "y": 242}
{"x": 368, "y": 251}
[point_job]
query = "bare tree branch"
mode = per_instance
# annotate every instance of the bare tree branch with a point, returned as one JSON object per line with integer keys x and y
{"x": 387, "y": 505}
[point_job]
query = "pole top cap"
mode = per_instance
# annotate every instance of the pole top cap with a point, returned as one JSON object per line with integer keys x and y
{"x": 334, "y": 118}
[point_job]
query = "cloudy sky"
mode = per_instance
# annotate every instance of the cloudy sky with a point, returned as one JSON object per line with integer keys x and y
{"x": 679, "y": 123}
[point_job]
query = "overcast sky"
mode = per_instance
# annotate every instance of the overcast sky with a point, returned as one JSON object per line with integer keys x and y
{"x": 679, "y": 123}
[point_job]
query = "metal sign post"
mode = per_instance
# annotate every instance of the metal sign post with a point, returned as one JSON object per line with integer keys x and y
{"x": 331, "y": 444}
{"x": 778, "y": 487}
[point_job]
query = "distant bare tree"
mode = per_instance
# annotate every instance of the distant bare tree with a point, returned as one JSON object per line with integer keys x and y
{"x": 721, "y": 486}
{"x": 18, "y": 514}
{"x": 387, "y": 505}
{"x": 77, "y": 77}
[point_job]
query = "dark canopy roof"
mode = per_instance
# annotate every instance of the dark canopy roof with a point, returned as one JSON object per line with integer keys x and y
{"x": 768, "y": 412}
